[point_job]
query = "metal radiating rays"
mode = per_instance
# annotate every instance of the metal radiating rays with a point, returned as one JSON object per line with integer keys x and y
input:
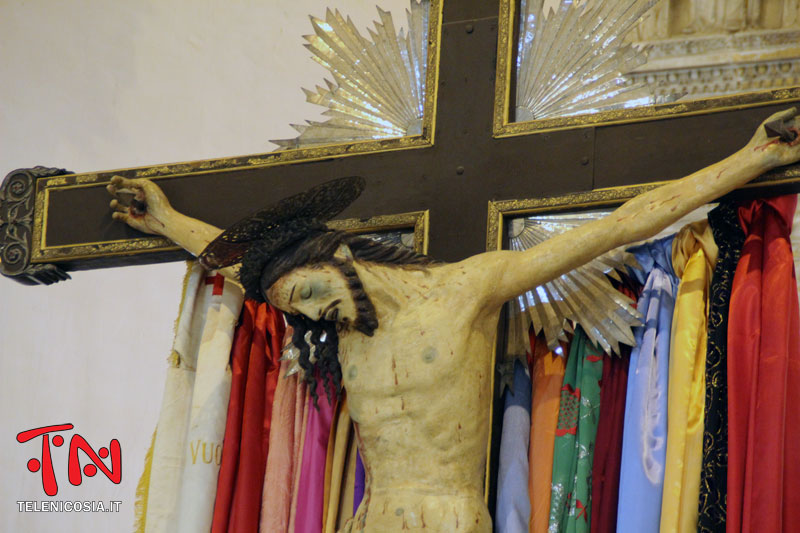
{"x": 378, "y": 87}
{"x": 583, "y": 296}
{"x": 572, "y": 58}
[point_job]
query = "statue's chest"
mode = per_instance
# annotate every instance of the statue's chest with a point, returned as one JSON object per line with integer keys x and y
{"x": 409, "y": 354}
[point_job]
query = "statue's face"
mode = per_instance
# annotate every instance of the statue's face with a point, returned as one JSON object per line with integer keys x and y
{"x": 318, "y": 292}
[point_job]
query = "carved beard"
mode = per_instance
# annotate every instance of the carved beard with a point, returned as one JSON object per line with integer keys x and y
{"x": 366, "y": 319}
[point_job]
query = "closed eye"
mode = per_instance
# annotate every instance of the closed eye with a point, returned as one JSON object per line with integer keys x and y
{"x": 305, "y": 292}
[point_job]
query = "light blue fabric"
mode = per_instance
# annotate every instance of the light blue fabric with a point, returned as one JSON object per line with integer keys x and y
{"x": 644, "y": 439}
{"x": 513, "y": 503}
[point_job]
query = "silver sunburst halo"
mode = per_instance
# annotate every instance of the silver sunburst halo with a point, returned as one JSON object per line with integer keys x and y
{"x": 582, "y": 296}
{"x": 378, "y": 86}
{"x": 574, "y": 59}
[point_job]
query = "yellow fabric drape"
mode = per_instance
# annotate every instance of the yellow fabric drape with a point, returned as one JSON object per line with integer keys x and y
{"x": 348, "y": 482}
{"x": 326, "y": 489}
{"x": 694, "y": 255}
{"x": 335, "y": 476}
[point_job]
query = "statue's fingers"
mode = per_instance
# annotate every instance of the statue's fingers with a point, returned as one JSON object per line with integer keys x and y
{"x": 120, "y": 216}
{"x": 119, "y": 182}
{"x": 116, "y": 191}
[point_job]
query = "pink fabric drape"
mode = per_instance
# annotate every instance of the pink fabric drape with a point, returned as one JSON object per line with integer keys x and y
{"x": 311, "y": 488}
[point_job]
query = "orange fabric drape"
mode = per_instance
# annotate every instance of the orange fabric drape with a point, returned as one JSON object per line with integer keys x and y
{"x": 547, "y": 374}
{"x": 764, "y": 375}
{"x": 255, "y": 367}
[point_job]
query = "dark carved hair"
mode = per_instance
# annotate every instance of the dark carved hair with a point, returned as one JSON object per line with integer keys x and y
{"x": 261, "y": 270}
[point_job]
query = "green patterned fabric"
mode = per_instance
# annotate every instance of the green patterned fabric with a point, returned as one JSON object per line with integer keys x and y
{"x": 570, "y": 504}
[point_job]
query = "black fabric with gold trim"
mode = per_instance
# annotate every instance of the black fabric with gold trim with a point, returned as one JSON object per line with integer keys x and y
{"x": 729, "y": 237}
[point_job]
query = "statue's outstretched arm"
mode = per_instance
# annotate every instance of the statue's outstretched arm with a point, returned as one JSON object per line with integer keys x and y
{"x": 504, "y": 275}
{"x": 149, "y": 211}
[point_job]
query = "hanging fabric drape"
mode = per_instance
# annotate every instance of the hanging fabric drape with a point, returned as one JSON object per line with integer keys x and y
{"x": 298, "y": 459}
{"x": 256, "y": 365}
{"x": 360, "y": 482}
{"x": 513, "y": 505}
{"x": 608, "y": 450}
{"x": 694, "y": 255}
{"x": 547, "y": 376}
{"x": 342, "y": 432}
{"x": 570, "y": 503}
{"x": 764, "y": 372}
{"x": 347, "y": 499}
{"x": 178, "y": 488}
{"x": 287, "y": 418}
{"x": 310, "y": 491}
{"x": 645, "y": 428}
{"x": 729, "y": 237}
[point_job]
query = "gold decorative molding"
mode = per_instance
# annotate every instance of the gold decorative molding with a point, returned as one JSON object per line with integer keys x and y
{"x": 503, "y": 127}
{"x": 500, "y": 211}
{"x": 415, "y": 220}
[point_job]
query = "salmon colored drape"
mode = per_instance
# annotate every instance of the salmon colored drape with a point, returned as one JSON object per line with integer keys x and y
{"x": 764, "y": 375}
{"x": 284, "y": 442}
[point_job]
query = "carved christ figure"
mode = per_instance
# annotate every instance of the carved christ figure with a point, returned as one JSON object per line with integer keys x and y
{"x": 414, "y": 337}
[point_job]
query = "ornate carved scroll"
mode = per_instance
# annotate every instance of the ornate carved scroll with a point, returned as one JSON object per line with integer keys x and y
{"x": 16, "y": 222}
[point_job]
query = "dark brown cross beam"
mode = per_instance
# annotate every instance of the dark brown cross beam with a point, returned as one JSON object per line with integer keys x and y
{"x": 455, "y": 177}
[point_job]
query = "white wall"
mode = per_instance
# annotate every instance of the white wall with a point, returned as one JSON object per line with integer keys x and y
{"x": 93, "y": 85}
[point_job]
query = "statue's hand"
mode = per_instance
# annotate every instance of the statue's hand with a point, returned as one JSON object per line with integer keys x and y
{"x": 776, "y": 150}
{"x": 140, "y": 203}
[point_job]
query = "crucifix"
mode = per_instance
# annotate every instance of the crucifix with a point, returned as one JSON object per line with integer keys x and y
{"x": 453, "y": 170}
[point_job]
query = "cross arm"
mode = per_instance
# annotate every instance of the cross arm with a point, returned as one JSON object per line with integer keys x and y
{"x": 149, "y": 211}
{"x": 506, "y": 274}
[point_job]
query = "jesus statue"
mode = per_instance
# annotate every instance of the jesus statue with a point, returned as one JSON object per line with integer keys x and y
{"x": 408, "y": 338}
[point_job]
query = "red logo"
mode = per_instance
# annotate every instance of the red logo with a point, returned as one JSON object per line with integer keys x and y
{"x": 45, "y": 464}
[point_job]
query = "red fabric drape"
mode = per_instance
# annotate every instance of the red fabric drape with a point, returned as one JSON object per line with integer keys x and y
{"x": 608, "y": 444}
{"x": 764, "y": 375}
{"x": 255, "y": 364}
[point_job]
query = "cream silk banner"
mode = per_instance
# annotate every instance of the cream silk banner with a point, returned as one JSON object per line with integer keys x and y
{"x": 177, "y": 490}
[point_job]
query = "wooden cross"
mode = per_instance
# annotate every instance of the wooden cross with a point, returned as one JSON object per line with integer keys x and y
{"x": 454, "y": 177}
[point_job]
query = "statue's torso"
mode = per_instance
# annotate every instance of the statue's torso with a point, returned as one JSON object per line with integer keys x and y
{"x": 419, "y": 391}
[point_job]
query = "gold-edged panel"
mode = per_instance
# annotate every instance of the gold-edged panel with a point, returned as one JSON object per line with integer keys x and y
{"x": 418, "y": 221}
{"x": 499, "y": 211}
{"x": 502, "y": 127}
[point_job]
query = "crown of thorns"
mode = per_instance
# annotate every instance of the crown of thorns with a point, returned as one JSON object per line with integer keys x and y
{"x": 276, "y": 227}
